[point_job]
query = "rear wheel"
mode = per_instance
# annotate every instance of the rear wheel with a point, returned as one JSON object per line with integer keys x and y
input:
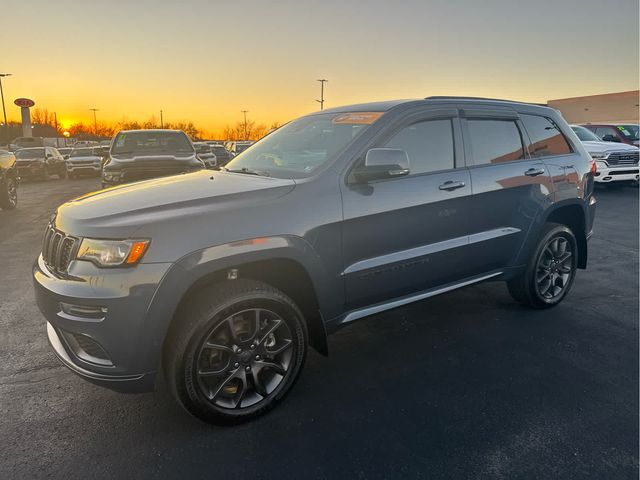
{"x": 9, "y": 194}
{"x": 551, "y": 271}
{"x": 235, "y": 351}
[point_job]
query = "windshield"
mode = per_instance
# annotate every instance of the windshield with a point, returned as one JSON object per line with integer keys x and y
{"x": 202, "y": 148}
{"x": 301, "y": 146}
{"x": 30, "y": 153}
{"x": 218, "y": 150}
{"x": 585, "y": 135}
{"x": 630, "y": 132}
{"x": 82, "y": 152}
{"x": 151, "y": 142}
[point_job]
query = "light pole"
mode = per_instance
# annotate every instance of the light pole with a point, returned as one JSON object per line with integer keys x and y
{"x": 4, "y": 111}
{"x": 245, "y": 123}
{"x": 161, "y": 121}
{"x": 321, "y": 101}
{"x": 95, "y": 122}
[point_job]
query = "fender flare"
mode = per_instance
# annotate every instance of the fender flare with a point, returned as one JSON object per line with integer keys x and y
{"x": 195, "y": 266}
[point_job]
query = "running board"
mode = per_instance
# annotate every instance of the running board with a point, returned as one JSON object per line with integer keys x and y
{"x": 382, "y": 307}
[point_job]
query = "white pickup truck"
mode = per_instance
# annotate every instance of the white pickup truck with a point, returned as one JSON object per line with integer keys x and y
{"x": 616, "y": 162}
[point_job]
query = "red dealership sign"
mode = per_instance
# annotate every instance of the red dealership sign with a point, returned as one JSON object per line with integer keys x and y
{"x": 24, "y": 102}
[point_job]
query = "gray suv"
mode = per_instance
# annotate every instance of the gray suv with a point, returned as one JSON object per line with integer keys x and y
{"x": 222, "y": 279}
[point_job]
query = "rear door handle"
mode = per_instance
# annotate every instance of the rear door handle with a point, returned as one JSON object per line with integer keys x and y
{"x": 451, "y": 185}
{"x": 534, "y": 172}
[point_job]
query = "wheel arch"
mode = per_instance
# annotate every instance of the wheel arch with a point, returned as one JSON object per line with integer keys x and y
{"x": 286, "y": 263}
{"x": 572, "y": 214}
{"x": 284, "y": 273}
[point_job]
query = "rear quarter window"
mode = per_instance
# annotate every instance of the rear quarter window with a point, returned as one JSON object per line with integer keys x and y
{"x": 546, "y": 138}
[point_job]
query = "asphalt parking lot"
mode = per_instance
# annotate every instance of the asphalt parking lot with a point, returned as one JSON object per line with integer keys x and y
{"x": 465, "y": 385}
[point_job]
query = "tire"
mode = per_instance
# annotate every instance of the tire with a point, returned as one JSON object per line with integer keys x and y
{"x": 9, "y": 194}
{"x": 530, "y": 289}
{"x": 260, "y": 340}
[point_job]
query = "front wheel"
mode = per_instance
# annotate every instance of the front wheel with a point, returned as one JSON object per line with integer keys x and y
{"x": 551, "y": 270}
{"x": 235, "y": 351}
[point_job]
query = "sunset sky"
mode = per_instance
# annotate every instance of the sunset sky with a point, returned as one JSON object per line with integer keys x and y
{"x": 205, "y": 61}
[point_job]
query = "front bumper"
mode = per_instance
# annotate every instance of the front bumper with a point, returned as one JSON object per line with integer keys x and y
{"x": 120, "y": 383}
{"x": 606, "y": 174}
{"x": 87, "y": 168}
{"x": 121, "y": 333}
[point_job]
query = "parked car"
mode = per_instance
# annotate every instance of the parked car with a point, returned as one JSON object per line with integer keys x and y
{"x": 103, "y": 152}
{"x": 204, "y": 153}
{"x": 65, "y": 151}
{"x": 40, "y": 162}
{"x": 143, "y": 154}
{"x": 615, "y": 162}
{"x": 8, "y": 180}
{"x": 236, "y": 148}
{"x": 222, "y": 155}
{"x": 627, "y": 133}
{"x": 84, "y": 161}
{"x": 224, "y": 278}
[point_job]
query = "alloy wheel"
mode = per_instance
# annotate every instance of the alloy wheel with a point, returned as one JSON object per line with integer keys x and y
{"x": 555, "y": 268}
{"x": 244, "y": 358}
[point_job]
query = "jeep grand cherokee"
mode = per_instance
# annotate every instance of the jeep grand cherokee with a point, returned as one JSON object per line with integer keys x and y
{"x": 223, "y": 279}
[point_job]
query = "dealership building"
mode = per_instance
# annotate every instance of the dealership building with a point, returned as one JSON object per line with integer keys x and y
{"x": 621, "y": 107}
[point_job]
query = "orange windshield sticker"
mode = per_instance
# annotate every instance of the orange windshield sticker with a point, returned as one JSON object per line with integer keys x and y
{"x": 358, "y": 118}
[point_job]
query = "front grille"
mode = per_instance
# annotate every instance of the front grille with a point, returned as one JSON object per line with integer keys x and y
{"x": 58, "y": 249}
{"x": 623, "y": 158}
{"x": 623, "y": 172}
{"x": 83, "y": 162}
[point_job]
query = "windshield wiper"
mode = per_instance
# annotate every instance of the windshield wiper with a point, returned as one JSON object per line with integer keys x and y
{"x": 246, "y": 171}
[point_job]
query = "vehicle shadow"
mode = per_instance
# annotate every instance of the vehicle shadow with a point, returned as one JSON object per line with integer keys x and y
{"x": 461, "y": 383}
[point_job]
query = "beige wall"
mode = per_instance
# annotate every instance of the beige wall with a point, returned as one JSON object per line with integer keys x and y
{"x": 619, "y": 107}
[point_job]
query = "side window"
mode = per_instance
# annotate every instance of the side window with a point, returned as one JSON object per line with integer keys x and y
{"x": 494, "y": 141}
{"x": 429, "y": 145}
{"x": 546, "y": 138}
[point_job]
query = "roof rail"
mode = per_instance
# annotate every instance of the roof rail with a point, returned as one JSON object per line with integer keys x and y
{"x": 452, "y": 97}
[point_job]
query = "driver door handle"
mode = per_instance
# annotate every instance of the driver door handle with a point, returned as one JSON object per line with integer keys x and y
{"x": 451, "y": 185}
{"x": 534, "y": 172}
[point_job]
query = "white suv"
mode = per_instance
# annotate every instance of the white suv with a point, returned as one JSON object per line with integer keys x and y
{"x": 616, "y": 162}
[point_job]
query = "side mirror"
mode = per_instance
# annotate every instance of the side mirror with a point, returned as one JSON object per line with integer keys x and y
{"x": 610, "y": 138}
{"x": 48, "y": 155}
{"x": 381, "y": 163}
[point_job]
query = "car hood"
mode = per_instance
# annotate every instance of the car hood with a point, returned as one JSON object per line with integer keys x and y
{"x": 156, "y": 157}
{"x": 29, "y": 159}
{"x": 119, "y": 211}
{"x": 600, "y": 147}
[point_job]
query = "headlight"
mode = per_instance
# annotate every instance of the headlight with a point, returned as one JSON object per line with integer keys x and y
{"x": 599, "y": 155}
{"x": 112, "y": 253}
